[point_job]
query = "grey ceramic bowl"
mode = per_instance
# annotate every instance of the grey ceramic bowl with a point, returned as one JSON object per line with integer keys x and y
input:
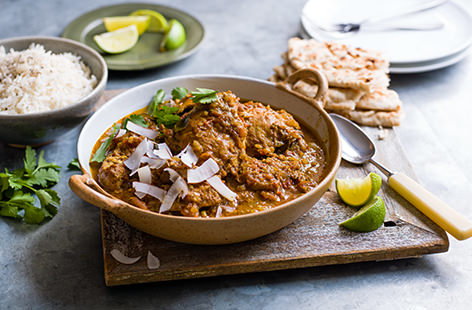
{"x": 44, "y": 127}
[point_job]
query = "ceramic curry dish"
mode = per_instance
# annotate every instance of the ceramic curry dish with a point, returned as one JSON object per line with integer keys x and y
{"x": 224, "y": 160}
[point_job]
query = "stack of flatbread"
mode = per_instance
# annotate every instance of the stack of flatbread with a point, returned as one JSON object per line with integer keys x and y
{"x": 358, "y": 80}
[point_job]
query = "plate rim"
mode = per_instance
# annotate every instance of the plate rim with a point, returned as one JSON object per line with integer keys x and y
{"x": 127, "y": 67}
{"x": 449, "y": 61}
{"x": 466, "y": 44}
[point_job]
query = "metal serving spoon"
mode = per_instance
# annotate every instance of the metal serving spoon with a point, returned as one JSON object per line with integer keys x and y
{"x": 358, "y": 148}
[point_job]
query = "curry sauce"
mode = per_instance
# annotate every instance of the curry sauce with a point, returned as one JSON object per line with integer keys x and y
{"x": 263, "y": 154}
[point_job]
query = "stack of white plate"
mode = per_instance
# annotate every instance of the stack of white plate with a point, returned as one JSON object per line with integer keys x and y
{"x": 408, "y": 51}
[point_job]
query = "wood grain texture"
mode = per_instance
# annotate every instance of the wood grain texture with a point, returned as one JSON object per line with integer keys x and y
{"x": 313, "y": 240}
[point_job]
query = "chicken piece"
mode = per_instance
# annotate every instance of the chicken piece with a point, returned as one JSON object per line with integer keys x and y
{"x": 269, "y": 131}
{"x": 214, "y": 130}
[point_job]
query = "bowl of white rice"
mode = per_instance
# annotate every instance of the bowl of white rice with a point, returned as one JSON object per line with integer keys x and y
{"x": 48, "y": 86}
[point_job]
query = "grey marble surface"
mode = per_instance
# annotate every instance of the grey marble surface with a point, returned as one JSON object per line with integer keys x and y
{"x": 59, "y": 264}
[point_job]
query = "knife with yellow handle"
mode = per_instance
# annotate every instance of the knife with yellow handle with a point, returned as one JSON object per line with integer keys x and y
{"x": 431, "y": 206}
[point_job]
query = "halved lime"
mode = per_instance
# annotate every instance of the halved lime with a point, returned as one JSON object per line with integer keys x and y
{"x": 118, "y": 41}
{"x": 174, "y": 37}
{"x": 369, "y": 218}
{"x": 158, "y": 22}
{"x": 117, "y": 22}
{"x": 358, "y": 191}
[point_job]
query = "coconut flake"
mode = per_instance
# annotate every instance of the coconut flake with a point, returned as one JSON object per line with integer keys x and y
{"x": 228, "y": 209}
{"x": 144, "y": 174}
{"x": 202, "y": 173}
{"x": 188, "y": 157}
{"x": 178, "y": 188}
{"x": 120, "y": 133}
{"x": 140, "y": 195}
{"x": 219, "y": 211}
{"x": 173, "y": 175}
{"x": 148, "y": 133}
{"x": 221, "y": 188}
{"x": 152, "y": 261}
{"x": 154, "y": 163}
{"x": 134, "y": 160}
{"x": 163, "y": 151}
{"x": 150, "y": 190}
{"x": 121, "y": 258}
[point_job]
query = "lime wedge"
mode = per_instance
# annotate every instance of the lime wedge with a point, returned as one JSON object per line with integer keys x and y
{"x": 118, "y": 22}
{"x": 158, "y": 22}
{"x": 118, "y": 41}
{"x": 358, "y": 191}
{"x": 369, "y": 218}
{"x": 174, "y": 37}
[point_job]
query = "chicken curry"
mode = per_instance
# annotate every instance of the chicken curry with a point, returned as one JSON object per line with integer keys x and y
{"x": 207, "y": 154}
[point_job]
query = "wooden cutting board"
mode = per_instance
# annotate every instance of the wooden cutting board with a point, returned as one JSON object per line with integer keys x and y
{"x": 315, "y": 239}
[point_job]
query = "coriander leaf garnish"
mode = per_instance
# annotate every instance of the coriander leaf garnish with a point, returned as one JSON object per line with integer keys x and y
{"x": 167, "y": 115}
{"x": 179, "y": 93}
{"x": 162, "y": 113}
{"x": 156, "y": 101}
{"x": 137, "y": 119}
{"x": 17, "y": 189}
{"x": 99, "y": 155}
{"x": 204, "y": 95}
{"x": 74, "y": 164}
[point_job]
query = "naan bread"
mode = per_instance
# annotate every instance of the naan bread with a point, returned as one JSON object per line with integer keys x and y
{"x": 357, "y": 80}
{"x": 336, "y": 98}
{"x": 344, "y": 66}
{"x": 374, "y": 118}
{"x": 382, "y": 100}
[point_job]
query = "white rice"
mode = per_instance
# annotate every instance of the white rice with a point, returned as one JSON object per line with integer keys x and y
{"x": 36, "y": 80}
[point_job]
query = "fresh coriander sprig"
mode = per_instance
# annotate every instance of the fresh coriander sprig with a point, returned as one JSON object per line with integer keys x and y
{"x": 204, "y": 95}
{"x": 179, "y": 93}
{"x": 74, "y": 165}
{"x": 137, "y": 119}
{"x": 17, "y": 189}
{"x": 100, "y": 154}
{"x": 156, "y": 101}
{"x": 163, "y": 114}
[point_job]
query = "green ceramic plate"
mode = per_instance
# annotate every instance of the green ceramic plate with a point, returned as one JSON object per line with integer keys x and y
{"x": 146, "y": 53}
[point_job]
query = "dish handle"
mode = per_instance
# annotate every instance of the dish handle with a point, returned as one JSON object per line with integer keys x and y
{"x": 86, "y": 188}
{"x": 308, "y": 75}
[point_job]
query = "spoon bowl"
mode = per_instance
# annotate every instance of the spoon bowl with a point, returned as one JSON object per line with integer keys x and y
{"x": 357, "y": 147}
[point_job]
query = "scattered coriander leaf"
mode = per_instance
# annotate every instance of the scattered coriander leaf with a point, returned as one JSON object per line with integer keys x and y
{"x": 46, "y": 177}
{"x": 179, "y": 93}
{"x": 42, "y": 163}
{"x": 49, "y": 200}
{"x": 99, "y": 154}
{"x": 30, "y": 159}
{"x": 17, "y": 189}
{"x": 74, "y": 164}
{"x": 9, "y": 211}
{"x": 20, "y": 198}
{"x": 204, "y": 95}
{"x": 15, "y": 179}
{"x": 3, "y": 182}
{"x": 156, "y": 101}
{"x": 33, "y": 214}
